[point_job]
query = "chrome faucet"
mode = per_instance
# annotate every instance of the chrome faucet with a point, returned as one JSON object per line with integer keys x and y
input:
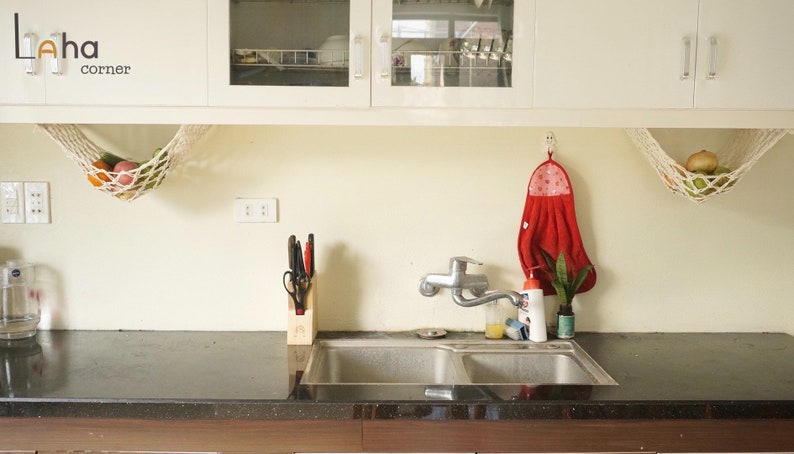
{"x": 457, "y": 280}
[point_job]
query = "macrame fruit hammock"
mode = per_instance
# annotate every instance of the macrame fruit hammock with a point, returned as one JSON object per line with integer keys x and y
{"x": 736, "y": 158}
{"x": 549, "y": 224}
{"x": 125, "y": 184}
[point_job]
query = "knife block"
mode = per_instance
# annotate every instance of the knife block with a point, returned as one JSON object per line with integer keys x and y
{"x": 302, "y": 329}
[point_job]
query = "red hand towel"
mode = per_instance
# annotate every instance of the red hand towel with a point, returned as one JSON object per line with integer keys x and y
{"x": 549, "y": 223}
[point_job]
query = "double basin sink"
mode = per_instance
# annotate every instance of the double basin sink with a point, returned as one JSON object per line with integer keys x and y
{"x": 440, "y": 367}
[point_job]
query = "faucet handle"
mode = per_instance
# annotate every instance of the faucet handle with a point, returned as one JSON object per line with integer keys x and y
{"x": 463, "y": 258}
{"x": 459, "y": 263}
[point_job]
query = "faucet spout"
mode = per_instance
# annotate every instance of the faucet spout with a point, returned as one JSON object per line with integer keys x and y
{"x": 487, "y": 297}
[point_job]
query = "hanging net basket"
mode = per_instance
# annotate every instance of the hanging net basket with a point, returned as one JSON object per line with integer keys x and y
{"x": 735, "y": 159}
{"x": 132, "y": 179}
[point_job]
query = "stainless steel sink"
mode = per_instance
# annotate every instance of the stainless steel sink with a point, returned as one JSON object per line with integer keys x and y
{"x": 450, "y": 362}
{"x": 512, "y": 368}
{"x": 369, "y": 362}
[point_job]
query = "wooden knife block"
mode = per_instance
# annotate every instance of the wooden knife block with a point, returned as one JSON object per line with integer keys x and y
{"x": 302, "y": 329}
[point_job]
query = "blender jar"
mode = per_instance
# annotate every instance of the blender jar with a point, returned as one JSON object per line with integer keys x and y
{"x": 19, "y": 313}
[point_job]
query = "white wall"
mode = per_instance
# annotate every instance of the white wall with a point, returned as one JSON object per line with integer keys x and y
{"x": 387, "y": 205}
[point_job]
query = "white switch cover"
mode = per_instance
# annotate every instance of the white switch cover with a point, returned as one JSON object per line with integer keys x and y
{"x": 37, "y": 202}
{"x": 12, "y": 202}
{"x": 256, "y": 210}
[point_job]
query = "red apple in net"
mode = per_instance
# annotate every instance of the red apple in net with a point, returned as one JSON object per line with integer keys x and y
{"x": 125, "y": 166}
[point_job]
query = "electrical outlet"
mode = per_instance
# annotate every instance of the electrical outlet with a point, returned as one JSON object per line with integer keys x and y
{"x": 37, "y": 202}
{"x": 12, "y": 202}
{"x": 256, "y": 210}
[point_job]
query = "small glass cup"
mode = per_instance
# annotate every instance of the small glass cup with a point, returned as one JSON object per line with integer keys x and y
{"x": 494, "y": 321}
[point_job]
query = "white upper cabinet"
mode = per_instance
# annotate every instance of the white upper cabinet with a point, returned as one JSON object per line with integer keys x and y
{"x": 20, "y": 82}
{"x": 672, "y": 54}
{"x": 745, "y": 54}
{"x": 282, "y": 53}
{"x": 113, "y": 52}
{"x": 452, "y": 54}
{"x": 602, "y": 63}
{"x": 615, "y": 53}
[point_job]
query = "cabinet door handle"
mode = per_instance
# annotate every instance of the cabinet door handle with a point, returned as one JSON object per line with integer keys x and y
{"x": 686, "y": 60}
{"x": 713, "y": 58}
{"x": 55, "y": 61}
{"x": 28, "y": 42}
{"x": 358, "y": 57}
{"x": 385, "y": 56}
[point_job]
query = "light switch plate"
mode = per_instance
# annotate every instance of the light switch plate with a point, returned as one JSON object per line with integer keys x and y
{"x": 37, "y": 202}
{"x": 12, "y": 202}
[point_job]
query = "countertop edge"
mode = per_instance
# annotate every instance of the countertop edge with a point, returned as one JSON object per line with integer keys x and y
{"x": 407, "y": 410}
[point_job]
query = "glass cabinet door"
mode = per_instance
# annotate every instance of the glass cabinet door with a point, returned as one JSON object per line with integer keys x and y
{"x": 289, "y": 53}
{"x": 452, "y": 53}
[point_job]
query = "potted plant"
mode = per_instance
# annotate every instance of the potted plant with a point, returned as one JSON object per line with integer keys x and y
{"x": 565, "y": 283}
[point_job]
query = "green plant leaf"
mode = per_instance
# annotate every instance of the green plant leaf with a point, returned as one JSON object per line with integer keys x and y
{"x": 580, "y": 278}
{"x": 560, "y": 289}
{"x": 562, "y": 270}
{"x": 564, "y": 281}
{"x": 549, "y": 262}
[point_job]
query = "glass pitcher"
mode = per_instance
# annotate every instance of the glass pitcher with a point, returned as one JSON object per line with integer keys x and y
{"x": 19, "y": 313}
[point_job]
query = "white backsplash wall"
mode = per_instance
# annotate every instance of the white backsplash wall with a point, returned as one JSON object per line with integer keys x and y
{"x": 387, "y": 205}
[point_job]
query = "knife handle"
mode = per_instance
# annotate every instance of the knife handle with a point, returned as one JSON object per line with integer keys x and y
{"x": 311, "y": 242}
{"x": 291, "y": 252}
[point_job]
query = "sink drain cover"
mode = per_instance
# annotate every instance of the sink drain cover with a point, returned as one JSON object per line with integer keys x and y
{"x": 431, "y": 333}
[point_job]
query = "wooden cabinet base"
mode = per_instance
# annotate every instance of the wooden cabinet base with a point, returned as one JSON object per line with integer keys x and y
{"x": 679, "y": 435}
{"x": 350, "y": 436}
{"x": 83, "y": 434}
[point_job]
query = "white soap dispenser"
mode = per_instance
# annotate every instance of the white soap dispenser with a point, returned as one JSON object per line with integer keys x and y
{"x": 532, "y": 312}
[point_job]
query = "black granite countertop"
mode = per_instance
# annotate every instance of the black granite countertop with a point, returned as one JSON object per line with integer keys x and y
{"x": 252, "y": 375}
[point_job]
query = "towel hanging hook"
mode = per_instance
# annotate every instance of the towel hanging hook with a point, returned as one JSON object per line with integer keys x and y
{"x": 551, "y": 143}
